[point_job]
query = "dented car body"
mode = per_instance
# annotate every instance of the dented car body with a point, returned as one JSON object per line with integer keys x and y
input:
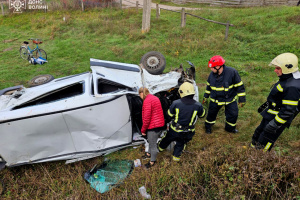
{"x": 80, "y": 116}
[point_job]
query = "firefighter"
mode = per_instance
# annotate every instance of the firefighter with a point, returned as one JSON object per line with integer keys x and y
{"x": 282, "y": 102}
{"x": 224, "y": 87}
{"x": 184, "y": 113}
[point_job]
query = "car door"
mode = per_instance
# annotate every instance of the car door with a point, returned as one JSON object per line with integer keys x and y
{"x": 37, "y": 130}
{"x": 106, "y": 123}
{"x": 103, "y": 125}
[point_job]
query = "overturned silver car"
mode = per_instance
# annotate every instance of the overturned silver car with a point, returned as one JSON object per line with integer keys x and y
{"x": 80, "y": 116}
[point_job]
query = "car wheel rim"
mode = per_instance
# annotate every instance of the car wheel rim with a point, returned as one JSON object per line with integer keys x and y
{"x": 152, "y": 62}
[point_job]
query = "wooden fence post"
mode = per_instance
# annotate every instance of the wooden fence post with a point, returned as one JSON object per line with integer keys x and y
{"x": 121, "y": 4}
{"x": 183, "y": 18}
{"x": 227, "y": 29}
{"x": 82, "y": 6}
{"x": 146, "y": 16}
{"x": 157, "y": 11}
{"x": 137, "y": 6}
{"x": 2, "y": 9}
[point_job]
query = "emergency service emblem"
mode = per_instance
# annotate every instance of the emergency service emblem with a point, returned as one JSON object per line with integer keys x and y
{"x": 17, "y": 5}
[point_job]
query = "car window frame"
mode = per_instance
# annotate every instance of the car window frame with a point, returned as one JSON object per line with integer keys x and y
{"x": 50, "y": 93}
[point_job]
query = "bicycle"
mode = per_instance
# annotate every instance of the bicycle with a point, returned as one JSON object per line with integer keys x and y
{"x": 26, "y": 53}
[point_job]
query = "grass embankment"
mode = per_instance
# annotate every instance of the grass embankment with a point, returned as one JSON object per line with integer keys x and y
{"x": 217, "y": 166}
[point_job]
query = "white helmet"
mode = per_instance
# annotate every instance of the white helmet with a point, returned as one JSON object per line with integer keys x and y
{"x": 288, "y": 62}
{"x": 186, "y": 89}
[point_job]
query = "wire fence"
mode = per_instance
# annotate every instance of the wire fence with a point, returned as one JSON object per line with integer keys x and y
{"x": 184, "y": 14}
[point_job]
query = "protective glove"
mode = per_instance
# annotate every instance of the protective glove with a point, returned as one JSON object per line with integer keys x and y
{"x": 204, "y": 100}
{"x": 242, "y": 104}
{"x": 272, "y": 127}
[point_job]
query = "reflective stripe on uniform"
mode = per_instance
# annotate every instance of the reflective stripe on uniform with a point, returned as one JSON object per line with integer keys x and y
{"x": 226, "y": 89}
{"x": 279, "y": 88}
{"x": 273, "y": 112}
{"x": 207, "y": 92}
{"x": 207, "y": 83}
{"x": 193, "y": 117}
{"x": 217, "y": 89}
{"x": 176, "y": 130}
{"x": 213, "y": 122}
{"x": 274, "y": 104}
{"x": 242, "y": 94}
{"x": 176, "y": 115}
{"x": 176, "y": 158}
{"x": 230, "y": 123}
{"x": 288, "y": 102}
{"x": 221, "y": 88}
{"x": 171, "y": 115}
{"x": 267, "y": 147}
{"x": 222, "y": 103}
{"x": 282, "y": 121}
{"x": 238, "y": 84}
{"x": 160, "y": 149}
{"x": 203, "y": 113}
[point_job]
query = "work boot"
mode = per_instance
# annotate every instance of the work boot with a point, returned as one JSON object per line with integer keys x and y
{"x": 208, "y": 130}
{"x": 232, "y": 131}
{"x": 253, "y": 144}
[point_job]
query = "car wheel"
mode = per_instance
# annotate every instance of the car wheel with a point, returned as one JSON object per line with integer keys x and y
{"x": 40, "y": 80}
{"x": 154, "y": 62}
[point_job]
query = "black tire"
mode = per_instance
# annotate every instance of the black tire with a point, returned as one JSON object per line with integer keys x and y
{"x": 154, "y": 62}
{"x": 40, "y": 80}
{"x": 24, "y": 53}
{"x": 41, "y": 53}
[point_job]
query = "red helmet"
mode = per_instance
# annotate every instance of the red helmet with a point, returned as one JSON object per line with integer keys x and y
{"x": 216, "y": 61}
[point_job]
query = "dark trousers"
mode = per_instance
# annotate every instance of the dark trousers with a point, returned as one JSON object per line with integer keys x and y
{"x": 231, "y": 113}
{"x": 181, "y": 139}
{"x": 261, "y": 138}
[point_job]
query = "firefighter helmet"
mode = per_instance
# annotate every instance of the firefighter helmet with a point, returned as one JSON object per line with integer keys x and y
{"x": 216, "y": 61}
{"x": 186, "y": 89}
{"x": 288, "y": 62}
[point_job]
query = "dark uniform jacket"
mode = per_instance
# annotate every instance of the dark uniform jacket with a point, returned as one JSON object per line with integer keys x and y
{"x": 185, "y": 112}
{"x": 224, "y": 88}
{"x": 283, "y": 100}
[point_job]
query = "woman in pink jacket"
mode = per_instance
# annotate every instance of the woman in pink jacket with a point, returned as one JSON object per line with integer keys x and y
{"x": 153, "y": 122}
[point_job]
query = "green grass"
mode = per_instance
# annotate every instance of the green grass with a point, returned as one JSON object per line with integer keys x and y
{"x": 226, "y": 168}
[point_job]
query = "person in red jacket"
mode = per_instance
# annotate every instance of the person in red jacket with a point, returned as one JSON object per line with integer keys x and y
{"x": 153, "y": 122}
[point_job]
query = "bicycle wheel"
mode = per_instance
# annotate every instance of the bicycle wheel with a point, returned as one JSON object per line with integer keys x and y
{"x": 24, "y": 53}
{"x": 41, "y": 53}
